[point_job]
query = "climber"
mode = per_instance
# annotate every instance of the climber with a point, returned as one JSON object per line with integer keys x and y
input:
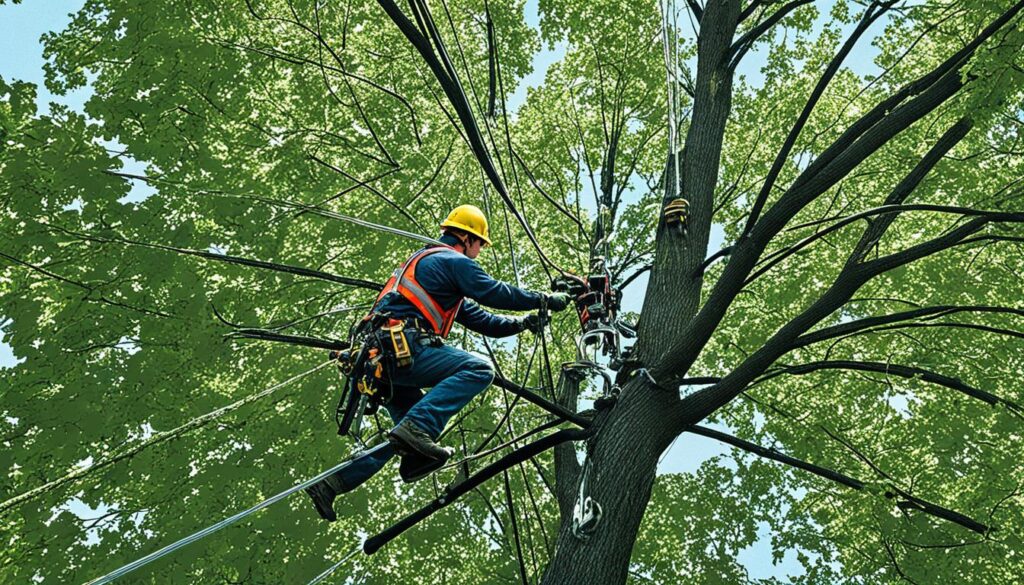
{"x": 426, "y": 295}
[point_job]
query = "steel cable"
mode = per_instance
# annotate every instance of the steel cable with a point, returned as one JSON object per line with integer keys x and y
{"x": 153, "y": 440}
{"x": 228, "y": 521}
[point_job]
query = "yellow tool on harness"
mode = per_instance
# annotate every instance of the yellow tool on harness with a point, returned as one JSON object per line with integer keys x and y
{"x": 371, "y": 383}
{"x": 399, "y": 343}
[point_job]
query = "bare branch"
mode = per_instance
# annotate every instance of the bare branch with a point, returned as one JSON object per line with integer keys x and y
{"x": 906, "y": 500}
{"x": 850, "y": 327}
{"x": 938, "y": 244}
{"x": 741, "y": 46}
{"x": 895, "y": 370}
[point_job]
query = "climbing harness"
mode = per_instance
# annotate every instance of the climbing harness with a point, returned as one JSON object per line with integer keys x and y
{"x": 378, "y": 345}
{"x": 363, "y": 366}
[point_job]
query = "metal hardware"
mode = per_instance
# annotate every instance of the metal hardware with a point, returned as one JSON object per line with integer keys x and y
{"x": 586, "y": 513}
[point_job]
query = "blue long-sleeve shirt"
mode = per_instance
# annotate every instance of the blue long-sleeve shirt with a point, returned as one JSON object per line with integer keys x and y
{"x": 450, "y": 276}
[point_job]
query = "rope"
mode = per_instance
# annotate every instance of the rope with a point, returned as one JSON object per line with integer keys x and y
{"x": 335, "y": 566}
{"x": 440, "y": 65}
{"x": 670, "y": 56}
{"x": 228, "y": 521}
{"x": 156, "y": 438}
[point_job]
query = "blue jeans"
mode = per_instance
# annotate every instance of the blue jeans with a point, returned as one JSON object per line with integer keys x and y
{"x": 454, "y": 376}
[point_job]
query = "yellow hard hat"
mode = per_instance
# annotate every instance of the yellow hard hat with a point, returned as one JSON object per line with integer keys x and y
{"x": 470, "y": 219}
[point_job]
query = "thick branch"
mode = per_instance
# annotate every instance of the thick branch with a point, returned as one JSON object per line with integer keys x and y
{"x": 892, "y": 492}
{"x": 865, "y": 137}
{"x": 869, "y": 17}
{"x": 847, "y": 283}
{"x": 926, "y": 313}
{"x": 895, "y": 370}
{"x": 877, "y": 228}
{"x": 891, "y": 211}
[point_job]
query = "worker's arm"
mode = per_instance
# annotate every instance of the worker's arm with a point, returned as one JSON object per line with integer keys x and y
{"x": 472, "y": 282}
{"x": 474, "y": 318}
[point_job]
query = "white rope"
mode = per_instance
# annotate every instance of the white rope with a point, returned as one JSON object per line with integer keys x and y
{"x": 227, "y": 521}
{"x": 670, "y": 55}
{"x": 153, "y": 440}
{"x": 335, "y": 566}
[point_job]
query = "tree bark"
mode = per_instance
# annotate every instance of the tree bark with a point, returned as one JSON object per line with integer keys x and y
{"x": 623, "y": 457}
{"x": 673, "y": 297}
{"x": 623, "y": 465}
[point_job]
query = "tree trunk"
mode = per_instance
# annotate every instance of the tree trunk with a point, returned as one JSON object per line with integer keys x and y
{"x": 623, "y": 463}
{"x": 632, "y": 435}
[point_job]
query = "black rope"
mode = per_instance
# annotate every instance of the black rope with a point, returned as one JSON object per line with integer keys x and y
{"x": 449, "y": 82}
{"x": 265, "y": 335}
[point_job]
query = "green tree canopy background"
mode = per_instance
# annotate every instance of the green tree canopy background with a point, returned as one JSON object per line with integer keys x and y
{"x": 241, "y": 110}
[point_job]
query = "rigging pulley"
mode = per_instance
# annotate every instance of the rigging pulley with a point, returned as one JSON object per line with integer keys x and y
{"x": 597, "y": 305}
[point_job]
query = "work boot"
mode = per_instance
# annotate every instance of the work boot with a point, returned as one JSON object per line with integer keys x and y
{"x": 415, "y": 467}
{"x": 323, "y": 500}
{"x": 409, "y": 439}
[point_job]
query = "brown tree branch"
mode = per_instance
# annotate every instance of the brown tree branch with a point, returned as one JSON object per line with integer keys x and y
{"x": 909, "y": 372}
{"x": 904, "y": 499}
{"x": 743, "y": 44}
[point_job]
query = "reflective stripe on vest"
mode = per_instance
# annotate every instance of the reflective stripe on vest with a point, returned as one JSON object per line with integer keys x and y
{"x": 404, "y": 282}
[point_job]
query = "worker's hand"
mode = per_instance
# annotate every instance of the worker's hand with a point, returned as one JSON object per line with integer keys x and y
{"x": 533, "y": 323}
{"x": 558, "y": 301}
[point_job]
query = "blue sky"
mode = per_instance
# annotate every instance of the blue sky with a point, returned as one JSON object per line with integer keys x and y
{"x": 21, "y": 57}
{"x": 22, "y": 25}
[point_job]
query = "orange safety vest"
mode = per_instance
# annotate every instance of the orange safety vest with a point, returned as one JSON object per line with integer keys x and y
{"x": 403, "y": 281}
